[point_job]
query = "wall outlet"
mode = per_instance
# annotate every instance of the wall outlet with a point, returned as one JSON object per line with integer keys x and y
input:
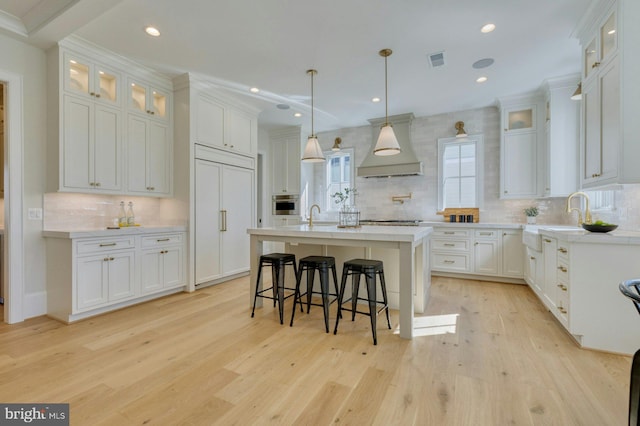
{"x": 35, "y": 213}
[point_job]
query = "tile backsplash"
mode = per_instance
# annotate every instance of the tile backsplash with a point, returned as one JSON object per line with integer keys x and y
{"x": 64, "y": 211}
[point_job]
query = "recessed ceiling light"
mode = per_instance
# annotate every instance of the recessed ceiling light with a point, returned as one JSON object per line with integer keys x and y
{"x": 297, "y": 114}
{"x": 152, "y": 31}
{"x": 488, "y": 28}
{"x": 375, "y": 99}
{"x": 481, "y": 79}
{"x": 254, "y": 90}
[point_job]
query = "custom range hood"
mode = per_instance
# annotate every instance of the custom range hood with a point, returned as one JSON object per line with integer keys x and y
{"x": 404, "y": 164}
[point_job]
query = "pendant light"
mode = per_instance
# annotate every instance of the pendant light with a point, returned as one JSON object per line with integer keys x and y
{"x": 387, "y": 142}
{"x": 312, "y": 152}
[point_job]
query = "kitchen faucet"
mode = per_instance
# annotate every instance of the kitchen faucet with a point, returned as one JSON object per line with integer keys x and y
{"x": 311, "y": 214}
{"x": 587, "y": 213}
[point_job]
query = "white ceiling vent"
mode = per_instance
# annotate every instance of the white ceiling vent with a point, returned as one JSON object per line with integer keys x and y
{"x": 436, "y": 59}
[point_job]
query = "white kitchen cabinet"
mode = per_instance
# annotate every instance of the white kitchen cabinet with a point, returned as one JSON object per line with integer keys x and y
{"x": 285, "y": 220}
{"x": 93, "y": 105}
{"x": 91, "y": 275}
{"x": 162, "y": 262}
{"x": 610, "y": 94}
{"x": 148, "y": 100}
{"x": 84, "y": 77}
{"x": 224, "y": 209}
{"x": 486, "y": 259}
{"x": 512, "y": 251}
{"x": 285, "y": 161}
{"x": 91, "y": 147}
{"x": 519, "y": 147}
{"x": 481, "y": 253}
{"x": 534, "y": 270}
{"x": 104, "y": 278}
{"x": 149, "y": 153}
{"x": 549, "y": 252}
{"x": 220, "y": 125}
{"x": 562, "y": 141}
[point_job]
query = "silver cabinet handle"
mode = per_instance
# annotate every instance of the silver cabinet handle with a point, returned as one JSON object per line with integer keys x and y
{"x": 224, "y": 220}
{"x": 162, "y": 239}
{"x": 107, "y": 244}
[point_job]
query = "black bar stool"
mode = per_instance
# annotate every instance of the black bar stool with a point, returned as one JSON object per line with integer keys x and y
{"x": 322, "y": 264}
{"x": 277, "y": 261}
{"x": 370, "y": 268}
{"x": 631, "y": 289}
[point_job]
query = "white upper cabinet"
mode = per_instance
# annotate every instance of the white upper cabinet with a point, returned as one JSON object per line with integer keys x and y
{"x": 220, "y": 125}
{"x": 519, "y": 147}
{"x": 562, "y": 131}
{"x": 148, "y": 100}
{"x": 285, "y": 160}
{"x": 114, "y": 129}
{"x": 610, "y": 94}
{"x": 83, "y": 77}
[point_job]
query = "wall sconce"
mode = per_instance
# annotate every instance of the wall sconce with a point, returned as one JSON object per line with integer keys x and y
{"x": 460, "y": 128}
{"x": 336, "y": 144}
{"x": 577, "y": 95}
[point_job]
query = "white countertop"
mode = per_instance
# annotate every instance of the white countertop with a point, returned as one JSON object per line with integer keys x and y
{"x": 102, "y": 232}
{"x": 581, "y": 236}
{"x": 387, "y": 233}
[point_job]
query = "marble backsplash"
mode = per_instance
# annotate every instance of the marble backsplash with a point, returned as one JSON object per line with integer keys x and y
{"x": 64, "y": 211}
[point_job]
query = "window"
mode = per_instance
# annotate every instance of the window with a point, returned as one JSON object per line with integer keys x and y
{"x": 339, "y": 174}
{"x": 601, "y": 201}
{"x": 460, "y": 172}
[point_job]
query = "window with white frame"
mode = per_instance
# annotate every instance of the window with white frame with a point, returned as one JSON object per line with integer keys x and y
{"x": 460, "y": 172}
{"x": 339, "y": 175}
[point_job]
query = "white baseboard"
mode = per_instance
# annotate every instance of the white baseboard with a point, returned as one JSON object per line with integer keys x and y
{"x": 35, "y": 304}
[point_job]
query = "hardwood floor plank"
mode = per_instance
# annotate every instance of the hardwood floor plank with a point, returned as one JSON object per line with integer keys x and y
{"x": 485, "y": 353}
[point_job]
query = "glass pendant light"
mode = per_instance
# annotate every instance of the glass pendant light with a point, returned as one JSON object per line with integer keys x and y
{"x": 312, "y": 152}
{"x": 387, "y": 142}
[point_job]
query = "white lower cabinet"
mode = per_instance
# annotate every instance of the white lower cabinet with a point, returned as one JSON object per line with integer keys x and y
{"x": 534, "y": 270}
{"x": 88, "y": 275}
{"x": 482, "y": 252}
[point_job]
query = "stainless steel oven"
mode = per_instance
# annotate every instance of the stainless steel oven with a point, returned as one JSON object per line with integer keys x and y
{"x": 286, "y": 205}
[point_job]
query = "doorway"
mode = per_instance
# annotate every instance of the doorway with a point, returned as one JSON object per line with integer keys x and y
{"x": 2, "y": 260}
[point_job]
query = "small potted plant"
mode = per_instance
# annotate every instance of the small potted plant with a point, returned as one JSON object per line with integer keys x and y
{"x": 531, "y": 213}
{"x": 349, "y": 216}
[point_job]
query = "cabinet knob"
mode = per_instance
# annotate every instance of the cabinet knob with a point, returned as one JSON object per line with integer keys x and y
{"x": 153, "y": 113}
{"x": 595, "y": 65}
{"x": 532, "y": 258}
{"x": 111, "y": 258}
{"x": 476, "y": 243}
{"x": 106, "y": 259}
{"x": 92, "y": 94}
{"x": 97, "y": 183}
{"x": 97, "y": 95}
{"x": 562, "y": 269}
{"x": 92, "y": 184}
{"x": 506, "y": 192}
{"x": 546, "y": 240}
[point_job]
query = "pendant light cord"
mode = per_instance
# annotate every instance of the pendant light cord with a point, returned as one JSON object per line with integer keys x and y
{"x": 312, "y": 133}
{"x": 386, "y": 95}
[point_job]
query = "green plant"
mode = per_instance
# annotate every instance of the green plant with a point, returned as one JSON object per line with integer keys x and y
{"x": 342, "y": 197}
{"x": 531, "y": 211}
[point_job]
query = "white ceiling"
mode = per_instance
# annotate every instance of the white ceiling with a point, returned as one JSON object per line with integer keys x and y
{"x": 271, "y": 43}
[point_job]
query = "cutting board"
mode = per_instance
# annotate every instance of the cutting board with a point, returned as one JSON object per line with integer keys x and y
{"x": 465, "y": 211}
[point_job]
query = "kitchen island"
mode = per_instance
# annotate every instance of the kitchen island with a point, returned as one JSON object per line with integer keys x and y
{"x": 410, "y": 273}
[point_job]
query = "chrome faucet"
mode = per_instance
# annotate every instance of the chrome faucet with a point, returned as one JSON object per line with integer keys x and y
{"x": 311, "y": 214}
{"x": 587, "y": 213}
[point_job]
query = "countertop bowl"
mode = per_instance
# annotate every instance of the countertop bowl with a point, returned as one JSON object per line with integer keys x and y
{"x": 598, "y": 228}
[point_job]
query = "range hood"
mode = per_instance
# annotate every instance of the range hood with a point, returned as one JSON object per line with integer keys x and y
{"x": 404, "y": 164}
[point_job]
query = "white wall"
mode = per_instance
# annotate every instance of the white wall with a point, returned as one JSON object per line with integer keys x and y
{"x": 29, "y": 62}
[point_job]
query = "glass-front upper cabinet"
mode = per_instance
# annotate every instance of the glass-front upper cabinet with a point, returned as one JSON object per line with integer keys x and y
{"x": 603, "y": 45}
{"x": 91, "y": 79}
{"x": 520, "y": 118}
{"x": 148, "y": 100}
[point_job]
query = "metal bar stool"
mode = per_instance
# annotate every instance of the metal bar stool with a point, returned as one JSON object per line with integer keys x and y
{"x": 278, "y": 262}
{"x": 322, "y": 264}
{"x": 631, "y": 289}
{"x": 370, "y": 268}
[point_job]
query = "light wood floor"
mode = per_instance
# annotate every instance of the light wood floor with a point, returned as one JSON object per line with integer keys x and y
{"x": 200, "y": 359}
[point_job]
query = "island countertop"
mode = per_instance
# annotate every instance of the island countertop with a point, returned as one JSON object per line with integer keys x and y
{"x": 364, "y": 233}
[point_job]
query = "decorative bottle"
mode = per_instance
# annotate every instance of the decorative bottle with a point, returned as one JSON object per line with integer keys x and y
{"x": 122, "y": 216}
{"x": 131, "y": 219}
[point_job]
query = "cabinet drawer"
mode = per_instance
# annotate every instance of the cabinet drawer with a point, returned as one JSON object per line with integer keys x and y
{"x": 161, "y": 240}
{"x": 450, "y": 245}
{"x": 102, "y": 245}
{"x": 563, "y": 251}
{"x": 455, "y": 233}
{"x": 486, "y": 234}
{"x": 451, "y": 262}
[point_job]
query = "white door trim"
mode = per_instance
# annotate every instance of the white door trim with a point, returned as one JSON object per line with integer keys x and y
{"x": 13, "y": 232}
